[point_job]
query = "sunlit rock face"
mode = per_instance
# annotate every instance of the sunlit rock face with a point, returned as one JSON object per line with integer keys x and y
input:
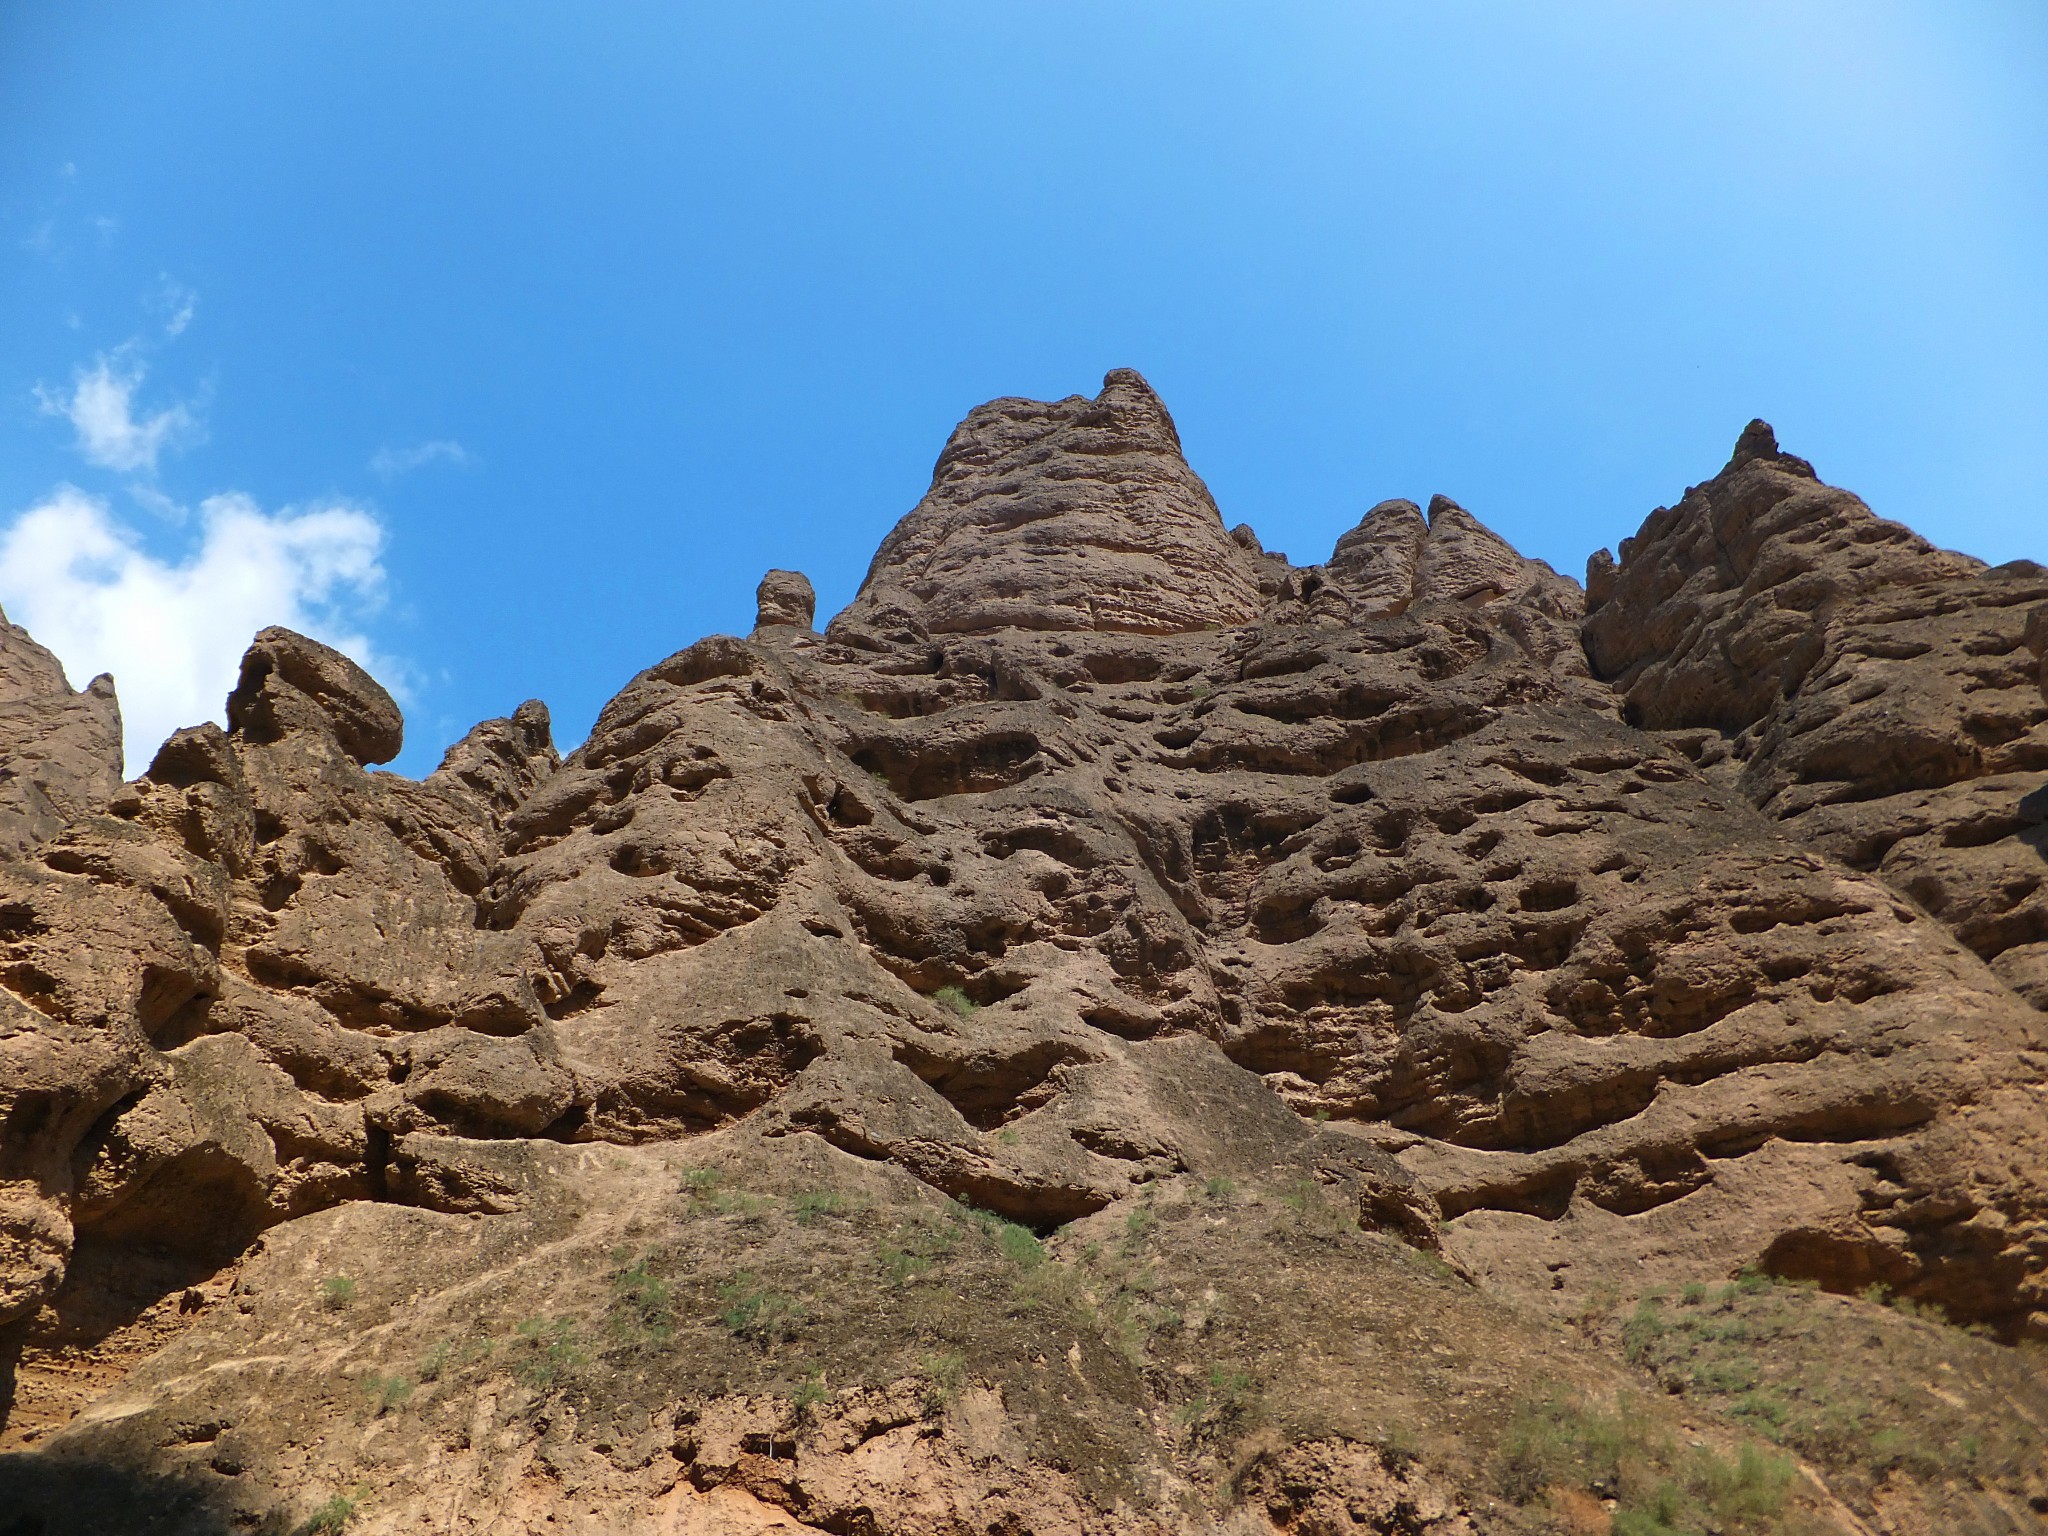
{"x": 1688, "y": 922}
{"x": 1075, "y": 514}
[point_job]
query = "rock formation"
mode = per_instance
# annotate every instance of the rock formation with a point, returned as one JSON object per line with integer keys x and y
{"x": 1690, "y": 925}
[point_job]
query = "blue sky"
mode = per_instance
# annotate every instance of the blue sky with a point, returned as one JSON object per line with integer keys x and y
{"x": 508, "y": 343}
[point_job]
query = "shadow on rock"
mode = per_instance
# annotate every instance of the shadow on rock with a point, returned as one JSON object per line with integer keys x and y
{"x": 43, "y": 1495}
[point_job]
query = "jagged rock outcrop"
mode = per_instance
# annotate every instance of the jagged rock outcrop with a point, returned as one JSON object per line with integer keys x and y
{"x": 1631, "y": 936}
{"x": 1074, "y": 514}
{"x": 60, "y": 752}
{"x": 1877, "y": 696}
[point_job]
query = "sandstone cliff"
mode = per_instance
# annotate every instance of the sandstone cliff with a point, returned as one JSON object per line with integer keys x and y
{"x": 1462, "y": 950}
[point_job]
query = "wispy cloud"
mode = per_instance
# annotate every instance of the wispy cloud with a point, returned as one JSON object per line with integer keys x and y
{"x": 172, "y": 631}
{"x": 101, "y": 409}
{"x": 389, "y": 463}
{"x": 175, "y": 302}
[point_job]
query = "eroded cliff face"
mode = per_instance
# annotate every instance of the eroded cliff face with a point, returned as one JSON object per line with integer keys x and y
{"x": 1688, "y": 924}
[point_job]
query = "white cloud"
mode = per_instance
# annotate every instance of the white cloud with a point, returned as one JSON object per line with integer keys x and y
{"x": 173, "y": 631}
{"x": 177, "y": 303}
{"x": 102, "y": 411}
{"x": 390, "y": 463}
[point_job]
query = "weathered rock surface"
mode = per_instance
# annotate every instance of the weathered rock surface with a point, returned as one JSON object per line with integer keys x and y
{"x": 60, "y": 752}
{"x": 1078, "y": 514}
{"x": 1877, "y": 695}
{"x": 1597, "y": 940}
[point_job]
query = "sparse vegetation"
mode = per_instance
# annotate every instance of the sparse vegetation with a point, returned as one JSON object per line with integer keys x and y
{"x": 387, "y": 1392}
{"x": 758, "y": 1313}
{"x": 336, "y": 1293}
{"x": 1841, "y": 1383}
{"x": 813, "y": 1205}
{"x": 436, "y": 1360}
{"x": 958, "y": 1001}
{"x": 699, "y": 1183}
{"x": 641, "y": 1302}
{"x": 544, "y": 1348}
{"x": 809, "y": 1392}
{"x": 1616, "y": 1452}
{"x": 1225, "y": 1407}
{"x": 330, "y": 1519}
{"x": 1220, "y": 1188}
{"x": 943, "y": 1374}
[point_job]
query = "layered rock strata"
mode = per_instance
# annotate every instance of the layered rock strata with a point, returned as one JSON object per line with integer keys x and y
{"x": 1690, "y": 922}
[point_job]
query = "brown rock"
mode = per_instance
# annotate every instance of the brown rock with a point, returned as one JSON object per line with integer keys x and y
{"x": 785, "y": 598}
{"x": 1878, "y": 695}
{"x": 1098, "y": 869}
{"x": 60, "y": 752}
{"x": 1078, "y": 514}
{"x": 290, "y": 684}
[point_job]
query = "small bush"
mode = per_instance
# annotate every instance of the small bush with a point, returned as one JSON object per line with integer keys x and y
{"x": 943, "y": 1374}
{"x": 1226, "y": 1406}
{"x": 910, "y": 1251}
{"x": 1639, "y": 1335}
{"x": 330, "y": 1519}
{"x": 1614, "y": 1453}
{"x": 809, "y": 1392}
{"x": 640, "y": 1301}
{"x": 1020, "y": 1245}
{"x": 1220, "y": 1188}
{"x": 387, "y": 1392}
{"x": 698, "y": 1183}
{"x": 544, "y": 1348}
{"x": 958, "y": 1001}
{"x": 750, "y": 1310}
{"x": 435, "y": 1360}
{"x": 810, "y": 1205}
{"x": 337, "y": 1292}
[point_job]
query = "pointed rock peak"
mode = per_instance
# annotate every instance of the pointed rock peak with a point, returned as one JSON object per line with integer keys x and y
{"x": 1126, "y": 393}
{"x": 1391, "y": 524}
{"x": 291, "y": 684}
{"x": 501, "y": 761}
{"x": 785, "y": 600}
{"x": 1374, "y": 563}
{"x": 1395, "y": 512}
{"x": 1758, "y": 441}
{"x": 1074, "y": 514}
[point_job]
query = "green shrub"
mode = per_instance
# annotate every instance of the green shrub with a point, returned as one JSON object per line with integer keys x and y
{"x": 958, "y": 1001}
{"x": 812, "y": 1204}
{"x": 1226, "y": 1406}
{"x": 330, "y": 1519}
{"x": 943, "y": 1374}
{"x": 336, "y": 1292}
{"x": 752, "y": 1311}
{"x": 1613, "y": 1452}
{"x": 640, "y": 1301}
{"x": 435, "y": 1360}
{"x": 809, "y": 1392}
{"x": 1020, "y": 1245}
{"x": 387, "y": 1392}
{"x": 544, "y": 1347}
{"x": 1639, "y": 1335}
{"x": 698, "y": 1183}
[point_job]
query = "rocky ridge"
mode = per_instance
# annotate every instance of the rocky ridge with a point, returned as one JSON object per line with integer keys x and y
{"x": 1687, "y": 924}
